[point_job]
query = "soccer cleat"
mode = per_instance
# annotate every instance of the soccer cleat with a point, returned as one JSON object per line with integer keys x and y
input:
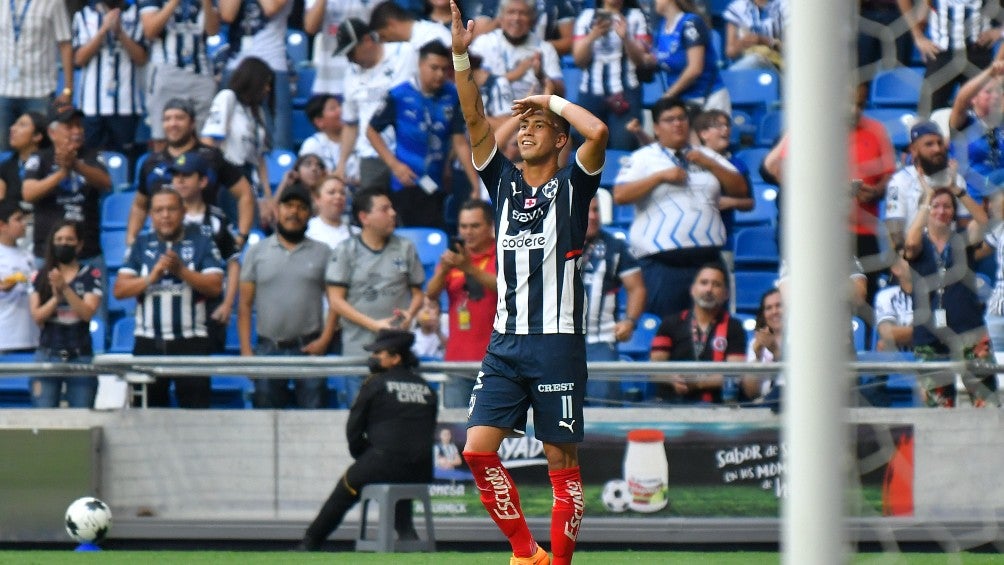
{"x": 538, "y": 558}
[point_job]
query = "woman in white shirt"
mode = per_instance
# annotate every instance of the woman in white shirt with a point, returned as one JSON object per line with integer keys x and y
{"x": 329, "y": 225}
{"x": 236, "y": 125}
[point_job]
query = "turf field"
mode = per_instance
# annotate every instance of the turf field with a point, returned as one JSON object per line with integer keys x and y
{"x": 458, "y": 558}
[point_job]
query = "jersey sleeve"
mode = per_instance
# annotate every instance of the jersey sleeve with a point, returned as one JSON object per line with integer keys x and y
{"x": 736, "y": 338}
{"x": 491, "y": 174}
{"x": 339, "y": 269}
{"x": 663, "y": 339}
{"x": 133, "y": 261}
{"x": 626, "y": 262}
{"x": 884, "y": 311}
{"x": 695, "y": 33}
{"x": 416, "y": 271}
{"x": 384, "y": 116}
{"x": 91, "y": 280}
{"x": 211, "y": 260}
{"x": 60, "y": 22}
{"x": 146, "y": 6}
{"x": 583, "y": 23}
{"x": 218, "y": 122}
{"x": 36, "y": 165}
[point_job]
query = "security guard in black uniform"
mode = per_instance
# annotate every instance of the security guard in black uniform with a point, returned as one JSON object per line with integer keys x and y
{"x": 390, "y": 431}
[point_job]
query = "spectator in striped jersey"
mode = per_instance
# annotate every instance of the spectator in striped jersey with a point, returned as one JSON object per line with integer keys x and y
{"x": 608, "y": 267}
{"x": 110, "y": 50}
{"x": 179, "y": 66}
{"x": 172, "y": 273}
{"x": 610, "y": 43}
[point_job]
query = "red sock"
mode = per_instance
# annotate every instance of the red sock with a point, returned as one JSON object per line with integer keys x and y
{"x": 501, "y": 499}
{"x": 566, "y": 514}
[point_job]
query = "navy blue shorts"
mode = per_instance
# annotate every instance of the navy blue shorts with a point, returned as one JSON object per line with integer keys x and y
{"x": 547, "y": 372}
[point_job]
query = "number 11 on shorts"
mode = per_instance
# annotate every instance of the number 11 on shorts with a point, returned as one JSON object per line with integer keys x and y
{"x": 566, "y": 406}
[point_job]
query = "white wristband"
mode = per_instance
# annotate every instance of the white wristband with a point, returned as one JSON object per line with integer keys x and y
{"x": 461, "y": 62}
{"x": 557, "y": 104}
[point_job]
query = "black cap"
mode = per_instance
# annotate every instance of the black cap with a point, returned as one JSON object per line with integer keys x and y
{"x": 63, "y": 112}
{"x": 394, "y": 341}
{"x": 183, "y": 104}
{"x": 296, "y": 190}
{"x": 189, "y": 163}
{"x": 350, "y": 33}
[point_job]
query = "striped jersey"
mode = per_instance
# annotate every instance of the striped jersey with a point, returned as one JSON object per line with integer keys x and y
{"x": 610, "y": 70}
{"x": 767, "y": 21}
{"x": 953, "y": 24}
{"x": 674, "y": 216}
{"x": 539, "y": 235}
{"x": 109, "y": 82}
{"x": 170, "y": 308}
{"x": 607, "y": 261}
{"x": 995, "y": 239}
{"x": 182, "y": 42}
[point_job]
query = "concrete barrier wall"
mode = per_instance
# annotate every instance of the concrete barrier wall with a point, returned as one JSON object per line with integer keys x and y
{"x": 278, "y": 466}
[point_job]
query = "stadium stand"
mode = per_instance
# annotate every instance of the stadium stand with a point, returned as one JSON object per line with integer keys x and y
{"x": 118, "y": 168}
{"x": 896, "y": 88}
{"x": 115, "y": 210}
{"x": 756, "y": 248}
{"x": 122, "y": 338}
{"x": 639, "y": 347}
{"x": 430, "y": 244}
{"x": 279, "y": 161}
{"x": 750, "y": 286}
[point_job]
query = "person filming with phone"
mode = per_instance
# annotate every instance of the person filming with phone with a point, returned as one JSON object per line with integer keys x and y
{"x": 466, "y": 271}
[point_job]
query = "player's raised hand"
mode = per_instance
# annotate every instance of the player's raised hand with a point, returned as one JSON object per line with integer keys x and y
{"x": 463, "y": 34}
{"x": 523, "y": 107}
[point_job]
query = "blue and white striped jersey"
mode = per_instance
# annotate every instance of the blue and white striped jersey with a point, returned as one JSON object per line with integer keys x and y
{"x": 606, "y": 261}
{"x": 170, "y": 308}
{"x": 540, "y": 232}
{"x": 182, "y": 43}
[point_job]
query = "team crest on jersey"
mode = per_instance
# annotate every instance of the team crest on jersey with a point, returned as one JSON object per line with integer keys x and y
{"x": 719, "y": 344}
{"x": 400, "y": 265}
{"x": 550, "y": 189}
{"x": 187, "y": 253}
{"x": 529, "y": 202}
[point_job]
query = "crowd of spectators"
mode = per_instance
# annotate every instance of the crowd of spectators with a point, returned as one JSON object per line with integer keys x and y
{"x": 197, "y": 95}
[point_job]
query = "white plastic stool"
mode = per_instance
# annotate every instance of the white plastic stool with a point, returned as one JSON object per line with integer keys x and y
{"x": 386, "y": 496}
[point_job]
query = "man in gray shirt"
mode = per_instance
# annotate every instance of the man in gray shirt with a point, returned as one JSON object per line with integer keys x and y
{"x": 283, "y": 280}
{"x": 374, "y": 278}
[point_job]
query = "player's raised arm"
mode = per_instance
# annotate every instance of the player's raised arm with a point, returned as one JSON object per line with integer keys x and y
{"x": 482, "y": 139}
{"x": 593, "y": 150}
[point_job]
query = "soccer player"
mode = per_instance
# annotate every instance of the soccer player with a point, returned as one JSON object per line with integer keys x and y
{"x": 537, "y": 353}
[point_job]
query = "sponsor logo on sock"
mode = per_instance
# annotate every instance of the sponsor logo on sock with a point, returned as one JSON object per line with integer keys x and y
{"x": 505, "y": 509}
{"x": 574, "y": 489}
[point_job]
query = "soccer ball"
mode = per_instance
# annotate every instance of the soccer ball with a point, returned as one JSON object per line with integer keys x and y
{"x": 88, "y": 520}
{"x": 616, "y": 496}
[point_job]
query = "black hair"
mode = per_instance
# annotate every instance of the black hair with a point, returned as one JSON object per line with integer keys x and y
{"x": 714, "y": 265}
{"x": 485, "y": 208}
{"x": 362, "y": 201}
{"x": 761, "y": 320}
{"x": 664, "y": 105}
{"x": 38, "y": 123}
{"x": 386, "y": 11}
{"x": 315, "y": 106}
{"x": 248, "y": 82}
{"x": 434, "y": 47}
{"x": 42, "y": 278}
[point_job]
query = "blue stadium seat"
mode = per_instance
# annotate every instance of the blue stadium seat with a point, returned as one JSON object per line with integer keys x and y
{"x": 623, "y": 215}
{"x": 896, "y": 88}
{"x": 749, "y": 324}
{"x": 756, "y": 248}
{"x": 430, "y": 243}
{"x": 750, "y": 286}
{"x": 118, "y": 168}
{"x": 651, "y": 92}
{"x": 858, "y": 331}
{"x": 117, "y": 307}
{"x": 297, "y": 47}
{"x": 743, "y": 129}
{"x": 99, "y": 334}
{"x": 753, "y": 157}
{"x": 639, "y": 347}
{"x": 15, "y": 392}
{"x": 901, "y": 388}
{"x": 114, "y": 248}
{"x": 897, "y": 122}
{"x": 753, "y": 90}
{"x": 771, "y": 127}
{"x": 279, "y": 161}
{"x": 302, "y": 128}
{"x": 612, "y": 165}
{"x": 764, "y": 210}
{"x": 122, "y": 338}
{"x": 572, "y": 76}
{"x": 304, "y": 85}
{"x": 115, "y": 209}
{"x": 233, "y": 340}
{"x": 230, "y": 392}
{"x": 4, "y": 155}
